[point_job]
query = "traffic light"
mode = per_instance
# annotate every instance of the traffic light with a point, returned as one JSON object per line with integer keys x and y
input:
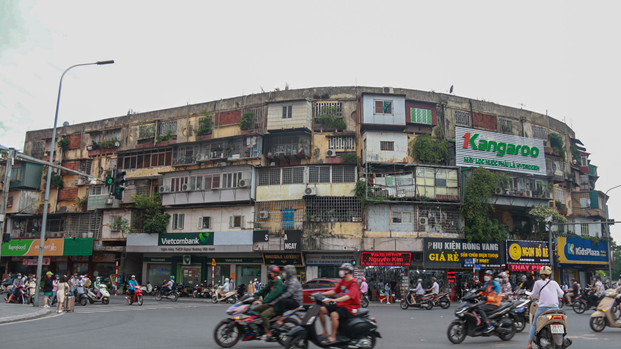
{"x": 119, "y": 187}
{"x": 353, "y": 262}
{"x": 110, "y": 181}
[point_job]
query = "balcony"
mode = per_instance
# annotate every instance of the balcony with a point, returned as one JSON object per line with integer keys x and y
{"x": 246, "y": 147}
{"x": 589, "y": 204}
{"x": 286, "y": 149}
{"x": 423, "y": 184}
{"x": 77, "y": 225}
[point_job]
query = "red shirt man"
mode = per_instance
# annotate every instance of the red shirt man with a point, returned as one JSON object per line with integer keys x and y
{"x": 345, "y": 306}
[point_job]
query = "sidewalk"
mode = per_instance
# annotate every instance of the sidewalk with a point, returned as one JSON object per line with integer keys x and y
{"x": 20, "y": 312}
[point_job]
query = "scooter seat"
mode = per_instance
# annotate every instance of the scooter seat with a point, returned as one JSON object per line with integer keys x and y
{"x": 362, "y": 312}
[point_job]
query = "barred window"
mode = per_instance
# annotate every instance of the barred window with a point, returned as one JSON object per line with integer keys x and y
{"x": 97, "y": 190}
{"x": 85, "y": 166}
{"x": 401, "y": 217}
{"x": 584, "y": 229}
{"x": 333, "y": 209}
{"x": 319, "y": 174}
{"x": 287, "y": 112}
{"x": 383, "y": 107}
{"x": 387, "y": 146}
{"x": 421, "y": 116}
{"x": 341, "y": 142}
{"x": 38, "y": 149}
{"x": 462, "y": 118}
{"x": 171, "y": 126}
{"x": 540, "y": 132}
{"x": 336, "y": 108}
{"x": 343, "y": 174}
{"x": 112, "y": 135}
{"x": 559, "y": 195}
{"x": 269, "y": 176}
{"x": 293, "y": 175}
{"x": 505, "y": 126}
{"x": 146, "y": 131}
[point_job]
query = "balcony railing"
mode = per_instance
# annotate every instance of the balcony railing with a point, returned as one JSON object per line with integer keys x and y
{"x": 538, "y": 193}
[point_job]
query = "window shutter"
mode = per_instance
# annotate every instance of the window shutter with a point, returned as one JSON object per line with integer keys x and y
{"x": 200, "y": 222}
{"x": 231, "y": 221}
{"x": 243, "y": 222}
{"x": 181, "y": 218}
{"x": 209, "y": 222}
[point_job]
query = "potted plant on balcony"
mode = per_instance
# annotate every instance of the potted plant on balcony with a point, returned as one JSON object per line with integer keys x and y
{"x": 246, "y": 121}
{"x": 63, "y": 143}
{"x": 303, "y": 143}
{"x": 205, "y": 125}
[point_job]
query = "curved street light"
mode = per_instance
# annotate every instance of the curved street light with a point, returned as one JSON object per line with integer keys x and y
{"x": 48, "y": 182}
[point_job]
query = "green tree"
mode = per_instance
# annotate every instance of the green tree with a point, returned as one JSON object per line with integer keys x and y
{"x": 540, "y": 214}
{"x": 150, "y": 216}
{"x": 477, "y": 206}
{"x": 430, "y": 150}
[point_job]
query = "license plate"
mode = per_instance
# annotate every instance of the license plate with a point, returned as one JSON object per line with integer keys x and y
{"x": 557, "y": 329}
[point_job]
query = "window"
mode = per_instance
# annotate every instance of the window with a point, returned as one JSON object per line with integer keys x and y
{"x": 10, "y": 202}
{"x": 231, "y": 180}
{"x": 432, "y": 182}
{"x": 38, "y": 149}
{"x": 559, "y": 195}
{"x": 421, "y": 116}
{"x": 211, "y": 182}
{"x": 204, "y": 222}
{"x": 584, "y": 229}
{"x": 176, "y": 184}
{"x": 177, "y": 220}
{"x": 585, "y": 202}
{"x": 462, "y": 118}
{"x": 17, "y": 173}
{"x": 309, "y": 285}
{"x": 540, "y": 133}
{"x": 401, "y": 217}
{"x": 97, "y": 190}
{"x": 165, "y": 127}
{"x": 333, "y": 209}
{"x": 341, "y": 142}
{"x": 196, "y": 182}
{"x": 343, "y": 174}
{"x": 85, "y": 166}
{"x": 383, "y": 107}
{"x": 56, "y": 225}
{"x": 287, "y": 111}
{"x": 505, "y": 126}
{"x": 146, "y": 131}
{"x": 269, "y": 176}
{"x": 319, "y": 174}
{"x": 293, "y": 175}
{"x": 236, "y": 222}
{"x": 145, "y": 159}
{"x": 114, "y": 227}
{"x": 387, "y": 146}
{"x": 336, "y": 108}
{"x": 584, "y": 161}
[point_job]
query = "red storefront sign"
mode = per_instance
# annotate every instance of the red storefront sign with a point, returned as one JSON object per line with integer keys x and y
{"x": 385, "y": 259}
{"x": 524, "y": 267}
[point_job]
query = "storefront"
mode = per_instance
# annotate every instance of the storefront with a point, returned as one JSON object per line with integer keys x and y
{"x": 281, "y": 259}
{"x": 386, "y": 267}
{"x": 442, "y": 256}
{"x": 579, "y": 258}
{"x": 526, "y": 257}
{"x": 61, "y": 256}
{"x": 326, "y": 265}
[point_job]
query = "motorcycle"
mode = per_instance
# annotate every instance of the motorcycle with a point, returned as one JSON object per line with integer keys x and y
{"x": 182, "y": 290}
{"x": 199, "y": 291}
{"x": 552, "y": 330}
{"x": 247, "y": 325}
{"x": 607, "y": 313}
{"x": 468, "y": 322}
{"x": 584, "y": 302}
{"x": 442, "y": 299}
{"x": 359, "y": 331}
{"x": 519, "y": 314}
{"x": 172, "y": 295}
{"x": 136, "y": 297}
{"x": 103, "y": 291}
{"x": 20, "y": 298}
{"x": 422, "y": 301}
{"x": 229, "y": 297}
{"x": 364, "y": 301}
{"x": 81, "y": 296}
{"x": 147, "y": 289}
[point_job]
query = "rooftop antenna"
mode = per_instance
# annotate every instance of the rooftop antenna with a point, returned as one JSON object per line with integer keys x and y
{"x": 66, "y": 123}
{"x": 522, "y": 105}
{"x": 262, "y": 91}
{"x": 451, "y": 90}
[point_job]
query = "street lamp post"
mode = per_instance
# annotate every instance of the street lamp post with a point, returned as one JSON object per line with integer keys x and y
{"x": 610, "y": 252}
{"x": 49, "y": 182}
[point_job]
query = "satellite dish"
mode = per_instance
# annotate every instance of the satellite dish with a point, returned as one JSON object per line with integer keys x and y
{"x": 451, "y": 91}
{"x": 66, "y": 123}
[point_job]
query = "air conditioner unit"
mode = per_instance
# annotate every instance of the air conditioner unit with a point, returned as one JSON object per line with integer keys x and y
{"x": 423, "y": 221}
{"x": 200, "y": 157}
{"x": 272, "y": 164}
{"x": 423, "y": 228}
{"x": 163, "y": 189}
{"x": 109, "y": 201}
{"x": 244, "y": 183}
{"x": 528, "y": 193}
{"x": 310, "y": 191}
{"x": 388, "y": 90}
{"x": 221, "y": 164}
{"x": 330, "y": 153}
{"x": 498, "y": 191}
{"x": 185, "y": 187}
{"x": 264, "y": 215}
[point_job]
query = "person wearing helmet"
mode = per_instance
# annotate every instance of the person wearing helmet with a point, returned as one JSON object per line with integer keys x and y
{"x": 364, "y": 287}
{"x": 224, "y": 289}
{"x": 599, "y": 289}
{"x": 505, "y": 287}
{"x": 168, "y": 286}
{"x": 272, "y": 290}
{"x": 47, "y": 289}
{"x": 291, "y": 298}
{"x": 476, "y": 283}
{"x": 492, "y": 295}
{"x": 17, "y": 284}
{"x": 435, "y": 288}
{"x": 96, "y": 286}
{"x": 529, "y": 282}
{"x": 418, "y": 291}
{"x": 131, "y": 284}
{"x": 548, "y": 292}
{"x": 344, "y": 307}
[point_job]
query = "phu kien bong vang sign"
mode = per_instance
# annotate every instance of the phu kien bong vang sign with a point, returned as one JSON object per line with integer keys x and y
{"x": 452, "y": 253}
{"x": 499, "y": 151}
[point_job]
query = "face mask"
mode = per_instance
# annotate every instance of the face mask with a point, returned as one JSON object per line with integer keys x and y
{"x": 487, "y": 278}
{"x": 284, "y": 275}
{"x": 341, "y": 273}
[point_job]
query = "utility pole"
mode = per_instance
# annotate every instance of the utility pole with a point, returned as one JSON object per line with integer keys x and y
{"x": 5, "y": 194}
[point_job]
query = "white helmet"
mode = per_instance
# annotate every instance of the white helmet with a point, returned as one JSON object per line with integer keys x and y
{"x": 226, "y": 280}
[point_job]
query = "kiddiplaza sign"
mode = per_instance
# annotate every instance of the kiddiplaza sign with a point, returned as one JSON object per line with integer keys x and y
{"x": 499, "y": 151}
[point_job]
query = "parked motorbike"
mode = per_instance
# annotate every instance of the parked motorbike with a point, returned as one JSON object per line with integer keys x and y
{"x": 173, "y": 295}
{"x": 230, "y": 297}
{"x": 199, "y": 291}
{"x": 422, "y": 301}
{"x": 147, "y": 289}
{"x": 247, "y": 325}
{"x": 607, "y": 313}
{"x": 585, "y": 302}
{"x": 359, "y": 331}
{"x": 156, "y": 290}
{"x": 364, "y": 300}
{"x": 103, "y": 291}
{"x": 552, "y": 330}
{"x": 182, "y": 290}
{"x": 519, "y": 314}
{"x": 20, "y": 298}
{"x": 468, "y": 322}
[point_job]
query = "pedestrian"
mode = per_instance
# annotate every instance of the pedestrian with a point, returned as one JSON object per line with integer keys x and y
{"x": 387, "y": 292}
{"x": 250, "y": 289}
{"x": 47, "y": 288}
{"x": 63, "y": 290}
{"x": 54, "y": 289}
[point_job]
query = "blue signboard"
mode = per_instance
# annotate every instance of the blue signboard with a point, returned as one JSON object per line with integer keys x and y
{"x": 582, "y": 251}
{"x": 477, "y": 267}
{"x": 468, "y": 262}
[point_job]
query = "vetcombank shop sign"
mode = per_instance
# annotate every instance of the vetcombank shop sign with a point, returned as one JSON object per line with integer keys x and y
{"x": 499, "y": 151}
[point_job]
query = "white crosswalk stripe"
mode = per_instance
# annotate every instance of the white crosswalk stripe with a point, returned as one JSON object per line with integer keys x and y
{"x": 109, "y": 308}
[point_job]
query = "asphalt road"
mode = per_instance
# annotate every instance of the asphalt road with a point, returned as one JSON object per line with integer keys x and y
{"x": 189, "y": 324}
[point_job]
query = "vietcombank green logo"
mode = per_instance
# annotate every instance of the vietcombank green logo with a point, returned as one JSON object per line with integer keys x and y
{"x": 500, "y": 148}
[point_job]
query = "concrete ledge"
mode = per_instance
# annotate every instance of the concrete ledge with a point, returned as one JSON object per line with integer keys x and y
{"x": 23, "y": 317}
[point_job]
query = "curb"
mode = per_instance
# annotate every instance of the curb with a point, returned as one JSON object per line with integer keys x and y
{"x": 16, "y": 318}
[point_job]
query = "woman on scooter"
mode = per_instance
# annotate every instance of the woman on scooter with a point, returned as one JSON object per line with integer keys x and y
{"x": 548, "y": 292}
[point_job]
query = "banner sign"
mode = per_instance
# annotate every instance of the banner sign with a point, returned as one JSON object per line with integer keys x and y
{"x": 34, "y": 261}
{"x": 582, "y": 251}
{"x": 524, "y": 267}
{"x": 282, "y": 259}
{"x": 293, "y": 240}
{"x": 185, "y": 239}
{"x": 260, "y": 236}
{"x": 328, "y": 259}
{"x": 385, "y": 259}
{"x": 499, "y": 151}
{"x": 452, "y": 253}
{"x": 157, "y": 259}
{"x": 52, "y": 247}
{"x": 528, "y": 252}
{"x": 249, "y": 260}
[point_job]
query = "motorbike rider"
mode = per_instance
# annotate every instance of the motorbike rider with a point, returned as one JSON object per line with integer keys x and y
{"x": 96, "y": 286}
{"x": 598, "y": 288}
{"x": 548, "y": 292}
{"x": 344, "y": 307}
{"x": 419, "y": 291}
{"x": 505, "y": 287}
{"x": 435, "y": 288}
{"x": 492, "y": 296}
{"x": 528, "y": 281}
{"x": 224, "y": 289}
{"x": 364, "y": 287}
{"x": 476, "y": 283}
{"x": 291, "y": 298}
{"x": 168, "y": 286}
{"x": 573, "y": 292}
{"x": 131, "y": 285}
{"x": 17, "y": 284}
{"x": 74, "y": 283}
{"x": 272, "y": 290}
